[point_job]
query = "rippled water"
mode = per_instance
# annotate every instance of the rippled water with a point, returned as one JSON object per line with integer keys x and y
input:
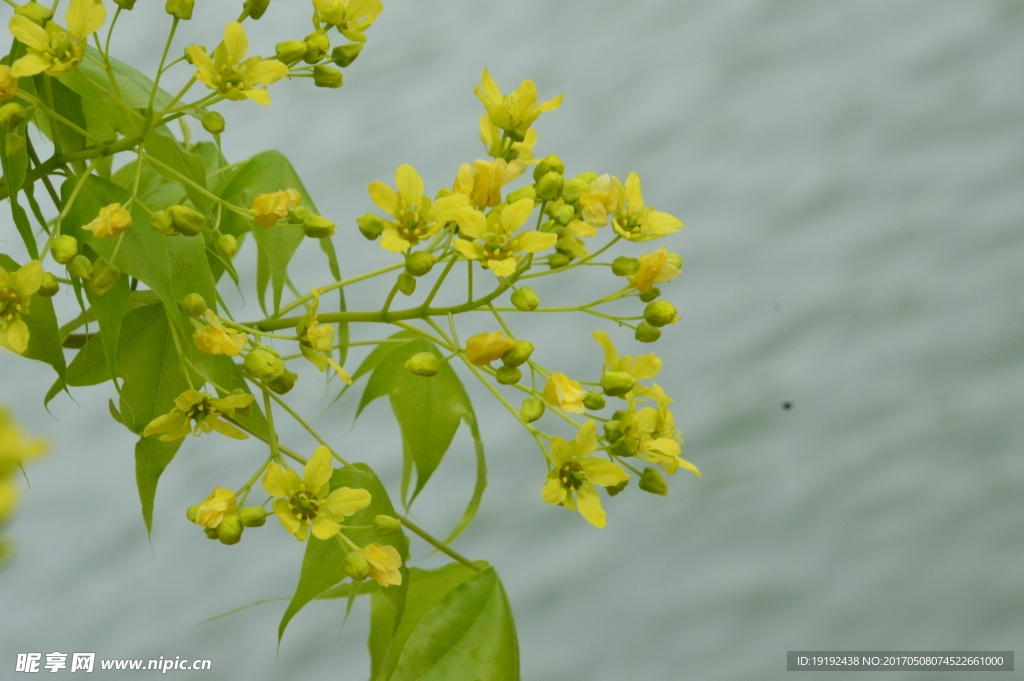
{"x": 850, "y": 175}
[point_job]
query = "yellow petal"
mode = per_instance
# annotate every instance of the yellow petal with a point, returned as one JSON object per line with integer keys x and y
{"x": 611, "y": 355}
{"x": 392, "y": 242}
{"x": 317, "y": 473}
{"x": 553, "y": 492}
{"x": 324, "y": 527}
{"x": 16, "y": 337}
{"x": 235, "y": 41}
{"x": 27, "y": 280}
{"x": 384, "y": 196}
{"x": 645, "y": 366}
{"x": 490, "y": 88}
{"x": 586, "y": 439}
{"x": 590, "y": 506}
{"x": 516, "y": 214}
{"x": 277, "y": 482}
{"x": 266, "y": 72}
{"x": 533, "y": 242}
{"x": 85, "y": 17}
{"x": 30, "y": 33}
{"x": 503, "y": 268}
{"x": 602, "y": 472}
{"x": 447, "y": 207}
{"x": 284, "y": 514}
{"x": 344, "y": 502}
{"x": 203, "y": 63}
{"x": 225, "y": 428}
{"x": 258, "y": 95}
{"x": 29, "y": 65}
{"x": 409, "y": 183}
{"x": 633, "y": 194}
{"x": 561, "y": 451}
{"x": 466, "y": 248}
{"x": 164, "y": 424}
{"x": 551, "y": 104}
{"x": 472, "y": 222}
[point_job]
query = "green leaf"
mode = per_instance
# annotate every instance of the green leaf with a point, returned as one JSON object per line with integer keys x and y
{"x": 427, "y": 588}
{"x": 481, "y": 481}
{"x": 323, "y": 564}
{"x": 151, "y": 458}
{"x": 155, "y": 190}
{"x": 109, "y": 309}
{"x": 44, "y": 335}
{"x": 66, "y": 103}
{"x": 164, "y": 148}
{"x": 264, "y": 173}
{"x": 14, "y": 168}
{"x": 470, "y": 635}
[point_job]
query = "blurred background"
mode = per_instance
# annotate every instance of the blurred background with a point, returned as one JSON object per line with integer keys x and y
{"x": 850, "y": 177}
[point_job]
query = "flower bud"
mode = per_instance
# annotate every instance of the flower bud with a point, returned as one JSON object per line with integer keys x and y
{"x": 213, "y": 122}
{"x": 594, "y": 401}
{"x": 613, "y": 430}
{"x": 343, "y": 55}
{"x": 104, "y": 276}
{"x": 507, "y": 375}
{"x": 161, "y": 221}
{"x": 386, "y": 525}
{"x": 587, "y": 177}
{"x": 651, "y": 481}
{"x": 650, "y": 295}
{"x": 355, "y": 566}
{"x": 317, "y": 227}
{"x": 327, "y": 76}
{"x": 210, "y": 532}
{"x": 64, "y": 249}
{"x": 81, "y": 267}
{"x": 556, "y": 260}
{"x": 12, "y": 115}
{"x": 191, "y": 512}
{"x": 284, "y": 383}
{"x": 419, "y": 263}
{"x": 549, "y": 187}
{"x": 264, "y": 363}
{"x": 406, "y": 283}
{"x": 621, "y": 447}
{"x": 34, "y": 12}
{"x": 551, "y": 164}
{"x": 423, "y": 364}
{"x": 527, "y": 192}
{"x": 125, "y": 4}
{"x": 49, "y": 286}
{"x": 564, "y": 215}
{"x": 617, "y": 383}
{"x": 660, "y": 313}
{"x": 625, "y": 267}
{"x": 194, "y": 304}
{"x": 525, "y": 299}
{"x": 573, "y": 189}
{"x": 532, "y": 409}
{"x": 645, "y": 333}
{"x": 230, "y": 530}
{"x": 297, "y": 214}
{"x": 255, "y": 8}
{"x": 290, "y": 51}
{"x": 675, "y": 260}
{"x": 180, "y": 9}
{"x": 246, "y": 411}
{"x": 370, "y": 226}
{"x": 615, "y": 489}
{"x": 14, "y": 144}
{"x": 518, "y": 355}
{"x": 187, "y": 221}
{"x": 253, "y": 516}
{"x": 227, "y": 244}
{"x": 317, "y": 45}
{"x": 549, "y": 226}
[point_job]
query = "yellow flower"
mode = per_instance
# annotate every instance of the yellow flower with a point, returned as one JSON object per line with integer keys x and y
{"x": 490, "y": 135}
{"x": 52, "y": 50}
{"x": 16, "y": 290}
{"x": 8, "y": 83}
{"x": 205, "y": 411}
{"x": 651, "y": 434}
{"x": 516, "y": 111}
{"x": 571, "y": 481}
{"x": 644, "y": 366}
{"x": 570, "y": 241}
{"x": 111, "y": 221}
{"x": 352, "y": 17}
{"x": 308, "y": 502}
{"x": 565, "y": 393}
{"x": 498, "y": 248}
{"x": 318, "y": 339}
{"x": 214, "y": 339}
{"x": 638, "y": 222}
{"x": 231, "y": 74}
{"x": 482, "y": 181}
{"x": 15, "y": 448}
{"x": 654, "y": 269}
{"x": 600, "y": 201}
{"x": 484, "y": 348}
{"x": 415, "y": 217}
{"x": 267, "y": 209}
{"x": 220, "y": 503}
{"x": 384, "y": 562}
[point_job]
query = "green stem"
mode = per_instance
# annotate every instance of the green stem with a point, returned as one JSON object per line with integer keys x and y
{"x": 439, "y": 545}
{"x": 440, "y": 280}
{"x": 163, "y": 59}
{"x": 271, "y": 432}
{"x": 309, "y": 429}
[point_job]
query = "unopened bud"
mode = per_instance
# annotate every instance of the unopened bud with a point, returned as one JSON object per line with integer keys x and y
{"x": 104, "y": 276}
{"x": 246, "y": 411}
{"x": 191, "y": 512}
{"x": 507, "y": 375}
{"x": 161, "y": 221}
{"x": 615, "y": 489}
{"x": 230, "y": 530}
{"x": 594, "y": 401}
{"x": 317, "y": 227}
{"x": 617, "y": 383}
{"x": 406, "y": 283}
{"x": 625, "y": 267}
{"x": 213, "y": 122}
{"x": 645, "y": 333}
{"x": 14, "y": 144}
{"x": 255, "y": 8}
{"x": 327, "y": 76}
{"x": 284, "y": 383}
{"x": 187, "y": 221}
{"x": 549, "y": 187}
{"x": 419, "y": 263}
{"x": 297, "y": 214}
{"x": 264, "y": 363}
{"x": 675, "y": 260}
{"x": 531, "y": 410}
{"x": 227, "y": 244}
{"x": 343, "y": 55}
{"x": 12, "y": 115}
{"x": 527, "y": 192}
{"x": 518, "y": 355}
{"x": 180, "y": 9}
{"x": 64, "y": 249}
{"x": 650, "y": 295}
{"x": 253, "y": 516}
{"x": 652, "y": 481}
{"x": 621, "y": 447}
{"x": 210, "y": 532}
{"x": 125, "y": 4}
{"x": 317, "y": 45}
{"x": 573, "y": 189}
{"x": 423, "y": 364}
{"x": 386, "y": 525}
{"x": 613, "y": 430}
{"x": 370, "y": 226}
{"x": 660, "y": 313}
{"x": 290, "y": 51}
{"x": 587, "y": 177}
{"x": 525, "y": 299}
{"x": 34, "y": 12}
{"x": 49, "y": 286}
{"x": 355, "y": 566}
{"x": 194, "y": 304}
{"x": 81, "y": 267}
{"x": 556, "y": 260}
{"x": 563, "y": 215}
{"x": 551, "y": 164}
